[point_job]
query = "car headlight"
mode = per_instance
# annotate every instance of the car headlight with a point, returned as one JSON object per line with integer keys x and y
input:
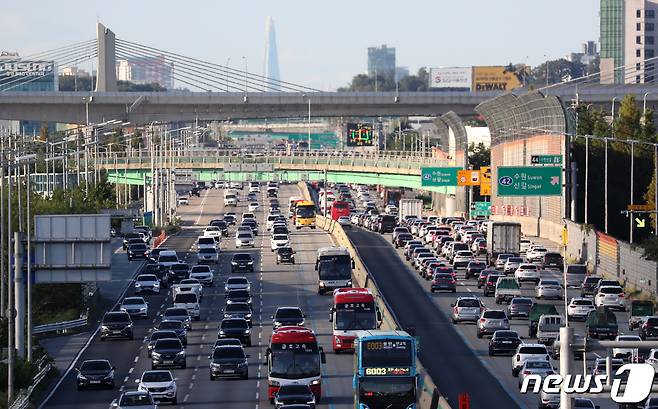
{"x": 274, "y": 383}
{"x": 104, "y": 328}
{"x": 138, "y": 285}
{"x": 234, "y": 263}
{"x": 155, "y": 355}
{"x": 128, "y": 326}
{"x": 277, "y": 323}
{"x": 181, "y": 353}
{"x": 156, "y": 284}
{"x": 81, "y": 377}
{"x": 214, "y": 365}
{"x": 247, "y": 331}
{"x": 321, "y": 284}
{"x": 247, "y": 316}
{"x": 251, "y": 262}
{"x": 315, "y": 382}
{"x": 221, "y": 332}
{"x": 108, "y": 376}
{"x": 143, "y": 309}
{"x": 142, "y": 388}
{"x": 349, "y": 282}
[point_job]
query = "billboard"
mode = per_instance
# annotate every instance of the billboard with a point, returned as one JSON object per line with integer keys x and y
{"x": 494, "y": 78}
{"x": 359, "y": 134}
{"x": 452, "y": 77}
{"x": 17, "y": 75}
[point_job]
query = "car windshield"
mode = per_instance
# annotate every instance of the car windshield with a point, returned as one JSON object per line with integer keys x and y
{"x": 133, "y": 301}
{"x": 242, "y": 257}
{"x": 244, "y": 236}
{"x": 95, "y": 366}
{"x": 494, "y": 314}
{"x": 168, "y": 343}
{"x": 235, "y": 281}
{"x": 173, "y": 324}
{"x": 285, "y": 250}
{"x": 280, "y": 237}
{"x": 116, "y": 317}
{"x": 228, "y": 352}
{"x": 208, "y": 251}
{"x": 237, "y": 324}
{"x": 533, "y": 350}
{"x": 550, "y": 282}
{"x": 163, "y": 334}
{"x": 469, "y": 303}
{"x": 200, "y": 269}
{"x": 515, "y": 260}
{"x": 288, "y": 313}
{"x": 142, "y": 399}
{"x": 506, "y": 334}
{"x": 238, "y": 307}
{"x": 520, "y": 301}
{"x": 137, "y": 247}
{"x": 582, "y": 302}
{"x": 294, "y": 361}
{"x": 157, "y": 376}
{"x": 611, "y": 290}
{"x": 167, "y": 259}
{"x": 147, "y": 277}
{"x": 175, "y": 312}
{"x": 538, "y": 365}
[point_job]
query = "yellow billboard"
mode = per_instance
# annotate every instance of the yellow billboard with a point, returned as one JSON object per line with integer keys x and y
{"x": 495, "y": 78}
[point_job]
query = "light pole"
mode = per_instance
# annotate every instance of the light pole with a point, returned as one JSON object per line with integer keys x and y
{"x": 228, "y": 60}
{"x": 613, "y": 116}
{"x": 245, "y": 75}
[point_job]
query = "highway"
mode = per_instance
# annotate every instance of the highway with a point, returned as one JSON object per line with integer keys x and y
{"x": 272, "y": 286}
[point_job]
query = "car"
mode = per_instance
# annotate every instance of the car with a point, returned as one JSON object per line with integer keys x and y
{"x": 147, "y": 283}
{"x": 235, "y": 328}
{"x": 160, "y": 384}
{"x": 285, "y": 255}
{"x": 482, "y": 277}
{"x": 242, "y": 262}
{"x": 203, "y": 274}
{"x": 116, "y": 324}
{"x": 651, "y": 403}
{"x": 501, "y": 260}
{"x": 155, "y": 253}
{"x": 479, "y": 246}
{"x": 183, "y": 200}
{"x": 229, "y": 218}
{"x": 611, "y": 297}
{"x": 294, "y": 393}
{"x": 244, "y": 239}
{"x": 168, "y": 352}
{"x": 237, "y": 283}
{"x": 402, "y": 239}
{"x": 207, "y": 255}
{"x": 443, "y": 282}
{"x": 135, "y": 306}
{"x": 344, "y": 221}
{"x": 221, "y": 225}
{"x": 128, "y": 236}
{"x": 579, "y": 308}
{"x": 178, "y": 272}
{"x": 462, "y": 258}
{"x": 583, "y": 403}
{"x": 178, "y": 327}
{"x": 254, "y": 206}
{"x": 599, "y": 367}
{"x": 512, "y": 264}
{"x": 649, "y": 328}
{"x": 137, "y": 251}
{"x": 519, "y": 307}
{"x": 489, "y": 287}
{"x": 179, "y": 314}
{"x": 473, "y": 268}
{"x": 549, "y": 288}
{"x": 287, "y": 316}
{"x": 238, "y": 310}
{"x": 226, "y": 341}
{"x": 589, "y": 286}
{"x": 524, "y": 245}
{"x": 552, "y": 259}
{"x": 467, "y": 309}
{"x": 229, "y": 361}
{"x": 535, "y": 367}
{"x": 134, "y": 400}
{"x": 95, "y": 373}
{"x": 491, "y": 321}
{"x": 161, "y": 334}
{"x": 536, "y": 253}
{"x": 504, "y": 342}
{"x": 238, "y": 296}
{"x": 213, "y": 231}
{"x": 525, "y": 272}
{"x": 279, "y": 240}
{"x": 625, "y": 353}
{"x": 528, "y": 352}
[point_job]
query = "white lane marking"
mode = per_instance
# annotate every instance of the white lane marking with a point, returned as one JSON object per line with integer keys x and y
{"x": 130, "y": 371}
{"x": 136, "y": 358}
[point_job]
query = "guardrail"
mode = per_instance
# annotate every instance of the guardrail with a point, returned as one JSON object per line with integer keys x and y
{"x": 63, "y": 326}
{"x": 430, "y": 397}
{"x": 22, "y": 401}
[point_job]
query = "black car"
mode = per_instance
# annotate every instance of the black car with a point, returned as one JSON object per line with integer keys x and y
{"x": 116, "y": 324}
{"x": 233, "y": 296}
{"x": 504, "y": 342}
{"x": 402, "y": 239}
{"x": 160, "y": 334}
{"x": 238, "y": 310}
{"x": 490, "y": 283}
{"x": 589, "y": 286}
{"x": 226, "y": 341}
{"x": 294, "y": 394}
{"x": 195, "y": 191}
{"x": 473, "y": 268}
{"x": 229, "y": 219}
{"x": 156, "y": 270}
{"x": 168, "y": 352}
{"x": 235, "y": 328}
{"x": 178, "y": 272}
{"x": 178, "y": 314}
{"x": 649, "y": 329}
{"x": 242, "y": 262}
{"x": 386, "y": 224}
{"x": 285, "y": 255}
{"x": 128, "y": 236}
{"x": 138, "y": 250}
{"x": 552, "y": 260}
{"x": 222, "y": 225}
{"x": 253, "y": 224}
{"x": 229, "y": 360}
{"x": 175, "y": 326}
{"x": 95, "y": 373}
{"x": 285, "y": 316}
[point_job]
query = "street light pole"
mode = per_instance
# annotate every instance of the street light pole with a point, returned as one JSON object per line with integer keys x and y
{"x": 228, "y": 60}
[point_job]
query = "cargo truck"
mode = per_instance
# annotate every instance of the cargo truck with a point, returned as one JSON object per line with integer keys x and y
{"x": 601, "y": 324}
{"x": 536, "y": 311}
{"x": 410, "y": 207}
{"x": 502, "y": 238}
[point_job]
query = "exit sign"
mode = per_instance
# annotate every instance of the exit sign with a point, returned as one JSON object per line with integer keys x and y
{"x": 546, "y": 159}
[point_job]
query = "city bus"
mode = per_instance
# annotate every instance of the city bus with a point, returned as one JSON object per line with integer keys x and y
{"x": 385, "y": 370}
{"x": 304, "y": 215}
{"x": 293, "y": 356}
{"x": 352, "y": 309}
{"x": 339, "y": 208}
{"x": 334, "y": 266}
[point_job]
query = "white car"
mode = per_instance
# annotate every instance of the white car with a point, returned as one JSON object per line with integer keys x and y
{"x": 390, "y": 208}
{"x": 344, "y": 221}
{"x": 147, "y": 283}
{"x": 279, "y": 240}
{"x": 244, "y": 239}
{"x": 249, "y": 215}
{"x": 237, "y": 283}
{"x": 254, "y": 206}
{"x": 527, "y": 272}
{"x": 612, "y": 297}
{"x": 549, "y": 288}
{"x": 271, "y": 218}
{"x": 183, "y": 201}
{"x": 525, "y": 244}
{"x": 579, "y": 308}
{"x": 203, "y": 274}
{"x": 525, "y": 352}
{"x": 536, "y": 253}
{"x": 213, "y": 231}
{"x": 625, "y": 353}
{"x": 255, "y": 189}
{"x": 207, "y": 255}
{"x": 135, "y": 306}
{"x": 161, "y": 385}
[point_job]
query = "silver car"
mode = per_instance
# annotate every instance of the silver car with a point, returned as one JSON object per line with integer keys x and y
{"x": 467, "y": 309}
{"x": 491, "y": 321}
{"x": 548, "y": 289}
{"x": 134, "y": 400}
{"x": 237, "y": 283}
{"x": 535, "y": 367}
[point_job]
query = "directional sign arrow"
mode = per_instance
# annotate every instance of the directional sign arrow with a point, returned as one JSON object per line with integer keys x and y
{"x": 555, "y": 180}
{"x": 640, "y": 222}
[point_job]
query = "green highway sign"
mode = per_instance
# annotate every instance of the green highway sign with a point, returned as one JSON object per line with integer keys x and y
{"x": 529, "y": 181}
{"x": 546, "y": 159}
{"x": 439, "y": 176}
{"x": 481, "y": 209}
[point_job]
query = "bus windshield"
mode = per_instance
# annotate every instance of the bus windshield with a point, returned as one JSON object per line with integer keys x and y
{"x": 387, "y": 392}
{"x": 305, "y": 211}
{"x": 295, "y": 361}
{"x": 333, "y": 270}
{"x": 386, "y": 353}
{"x": 360, "y": 316}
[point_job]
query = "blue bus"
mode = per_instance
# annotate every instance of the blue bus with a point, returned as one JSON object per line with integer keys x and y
{"x": 385, "y": 370}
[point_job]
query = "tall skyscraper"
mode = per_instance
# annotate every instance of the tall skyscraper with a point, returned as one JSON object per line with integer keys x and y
{"x": 381, "y": 60}
{"x": 271, "y": 55}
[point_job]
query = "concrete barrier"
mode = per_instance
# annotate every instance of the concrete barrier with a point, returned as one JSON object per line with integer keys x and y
{"x": 429, "y": 397}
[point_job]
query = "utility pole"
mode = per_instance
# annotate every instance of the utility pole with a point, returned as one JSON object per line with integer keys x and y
{"x": 29, "y": 270}
{"x": 19, "y": 294}
{"x": 630, "y": 218}
{"x": 3, "y": 275}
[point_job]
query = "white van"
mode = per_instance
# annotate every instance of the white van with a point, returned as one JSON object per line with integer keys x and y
{"x": 230, "y": 199}
{"x": 206, "y": 242}
{"x": 167, "y": 258}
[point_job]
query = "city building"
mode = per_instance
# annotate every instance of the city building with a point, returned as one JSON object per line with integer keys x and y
{"x": 401, "y": 72}
{"x": 381, "y": 60}
{"x": 146, "y": 70}
{"x": 74, "y": 72}
{"x": 628, "y": 39}
{"x": 271, "y": 55}
{"x": 588, "y": 53}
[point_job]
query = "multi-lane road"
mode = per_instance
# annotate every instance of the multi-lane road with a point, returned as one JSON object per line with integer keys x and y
{"x": 272, "y": 286}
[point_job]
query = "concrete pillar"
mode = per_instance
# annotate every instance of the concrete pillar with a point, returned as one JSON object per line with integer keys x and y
{"x": 106, "y": 80}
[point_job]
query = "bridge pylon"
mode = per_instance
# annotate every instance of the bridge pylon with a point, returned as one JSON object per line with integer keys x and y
{"x": 106, "y": 79}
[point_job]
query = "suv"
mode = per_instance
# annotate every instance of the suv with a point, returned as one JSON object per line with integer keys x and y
{"x": 288, "y": 316}
{"x": 489, "y": 287}
{"x": 229, "y": 360}
{"x": 473, "y": 269}
{"x": 161, "y": 385}
{"x": 589, "y": 285}
{"x": 168, "y": 352}
{"x": 116, "y": 324}
{"x": 242, "y": 262}
{"x": 96, "y": 372}
{"x": 467, "y": 309}
{"x": 285, "y": 255}
{"x": 552, "y": 260}
{"x": 178, "y": 272}
{"x": 528, "y": 352}
{"x": 491, "y": 321}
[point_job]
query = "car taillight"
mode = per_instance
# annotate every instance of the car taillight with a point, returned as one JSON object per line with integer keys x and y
{"x": 453, "y": 281}
{"x": 526, "y": 372}
{"x": 483, "y": 320}
{"x": 482, "y": 309}
{"x": 621, "y": 295}
{"x": 455, "y": 310}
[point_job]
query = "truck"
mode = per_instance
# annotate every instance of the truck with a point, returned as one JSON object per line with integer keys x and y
{"x": 502, "y": 238}
{"x": 639, "y": 309}
{"x": 410, "y": 207}
{"x": 506, "y": 289}
{"x": 536, "y": 311}
{"x": 601, "y": 323}
{"x": 392, "y": 196}
{"x": 548, "y": 328}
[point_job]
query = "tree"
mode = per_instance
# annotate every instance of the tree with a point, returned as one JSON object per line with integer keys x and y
{"x": 627, "y": 125}
{"x": 479, "y": 155}
{"x": 558, "y": 71}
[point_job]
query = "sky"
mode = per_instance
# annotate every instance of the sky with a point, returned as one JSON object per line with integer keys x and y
{"x": 321, "y": 44}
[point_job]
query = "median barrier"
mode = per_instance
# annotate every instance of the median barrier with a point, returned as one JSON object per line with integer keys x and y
{"x": 429, "y": 397}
